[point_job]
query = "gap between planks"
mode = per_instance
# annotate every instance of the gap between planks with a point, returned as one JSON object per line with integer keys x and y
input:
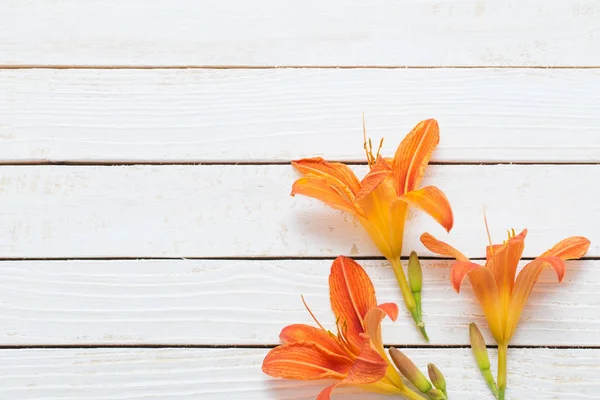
{"x": 249, "y": 258}
{"x": 146, "y": 67}
{"x": 265, "y": 346}
{"x": 124, "y": 163}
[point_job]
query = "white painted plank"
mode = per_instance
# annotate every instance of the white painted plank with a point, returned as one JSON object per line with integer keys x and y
{"x": 246, "y": 211}
{"x": 219, "y": 374}
{"x": 270, "y": 32}
{"x": 248, "y": 302}
{"x": 486, "y": 115}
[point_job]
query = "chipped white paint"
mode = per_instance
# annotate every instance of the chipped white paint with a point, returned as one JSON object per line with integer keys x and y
{"x": 275, "y": 33}
{"x": 223, "y": 374}
{"x": 227, "y": 302}
{"x": 241, "y": 211}
{"x": 486, "y": 115}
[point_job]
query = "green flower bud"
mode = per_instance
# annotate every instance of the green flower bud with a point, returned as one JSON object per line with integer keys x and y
{"x": 436, "y": 394}
{"x": 410, "y": 370}
{"x": 415, "y": 273}
{"x": 481, "y": 357}
{"x": 437, "y": 378}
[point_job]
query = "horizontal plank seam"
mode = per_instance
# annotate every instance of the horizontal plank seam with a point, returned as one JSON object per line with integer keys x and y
{"x": 308, "y": 66}
{"x": 261, "y": 346}
{"x": 263, "y": 163}
{"x": 242, "y": 258}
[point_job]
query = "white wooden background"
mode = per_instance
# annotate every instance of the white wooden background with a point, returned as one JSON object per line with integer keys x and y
{"x": 150, "y": 249}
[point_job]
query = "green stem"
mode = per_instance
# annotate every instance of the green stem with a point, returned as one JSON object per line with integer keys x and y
{"x": 502, "y": 350}
{"x": 403, "y": 283}
{"x": 407, "y": 294}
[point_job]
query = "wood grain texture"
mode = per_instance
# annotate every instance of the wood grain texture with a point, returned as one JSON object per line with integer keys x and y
{"x": 274, "y": 33}
{"x": 227, "y": 302}
{"x": 220, "y": 374}
{"x": 246, "y": 211}
{"x": 486, "y": 115}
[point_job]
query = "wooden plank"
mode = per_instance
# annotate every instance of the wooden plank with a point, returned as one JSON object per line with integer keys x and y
{"x": 486, "y": 115}
{"x": 269, "y": 32}
{"x": 226, "y": 302}
{"x": 246, "y": 211}
{"x": 219, "y": 374}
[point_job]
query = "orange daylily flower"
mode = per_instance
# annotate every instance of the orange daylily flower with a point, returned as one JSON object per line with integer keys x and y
{"x": 354, "y": 356}
{"x": 381, "y": 200}
{"x": 501, "y": 296}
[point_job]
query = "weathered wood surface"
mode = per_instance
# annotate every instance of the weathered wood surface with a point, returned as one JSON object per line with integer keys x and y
{"x": 220, "y": 374}
{"x": 274, "y": 33}
{"x": 246, "y": 211}
{"x": 232, "y": 302}
{"x": 112, "y": 116}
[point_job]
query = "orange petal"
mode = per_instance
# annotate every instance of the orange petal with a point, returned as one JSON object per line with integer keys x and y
{"x": 305, "y": 361}
{"x": 505, "y": 260}
{"x": 299, "y": 333}
{"x": 441, "y": 248}
{"x": 458, "y": 272}
{"x": 319, "y": 189}
{"x": 326, "y": 393}
{"x": 378, "y": 173}
{"x": 390, "y": 309}
{"x": 434, "y": 202}
{"x": 368, "y": 367}
{"x": 524, "y": 284}
{"x": 352, "y": 295}
{"x": 413, "y": 155}
{"x": 491, "y": 250}
{"x": 486, "y": 291}
{"x": 569, "y": 249}
{"x": 336, "y": 173}
{"x": 381, "y": 214}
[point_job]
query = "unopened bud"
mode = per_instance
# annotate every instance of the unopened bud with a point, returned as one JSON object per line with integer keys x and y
{"x": 478, "y": 347}
{"x": 436, "y": 394}
{"x": 410, "y": 370}
{"x": 415, "y": 273}
{"x": 481, "y": 357}
{"x": 437, "y": 378}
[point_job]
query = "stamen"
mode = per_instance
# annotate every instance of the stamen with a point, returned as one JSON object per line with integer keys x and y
{"x": 365, "y": 139}
{"x": 487, "y": 228}
{"x": 379, "y": 149}
{"x": 311, "y": 313}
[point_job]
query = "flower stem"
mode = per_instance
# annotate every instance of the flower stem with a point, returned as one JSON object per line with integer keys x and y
{"x": 502, "y": 350}
{"x": 409, "y": 300}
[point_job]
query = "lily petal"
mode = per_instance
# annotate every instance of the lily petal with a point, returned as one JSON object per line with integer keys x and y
{"x": 569, "y": 249}
{"x": 337, "y": 173}
{"x": 491, "y": 250}
{"x": 352, "y": 295}
{"x": 390, "y": 309}
{"x": 319, "y": 189}
{"x": 299, "y": 333}
{"x": 326, "y": 393}
{"x": 305, "y": 361}
{"x": 434, "y": 202}
{"x": 524, "y": 284}
{"x": 486, "y": 291}
{"x": 382, "y": 219}
{"x": 373, "y": 327}
{"x": 368, "y": 367}
{"x": 413, "y": 155}
{"x": 441, "y": 248}
{"x": 459, "y": 270}
{"x": 505, "y": 260}
{"x": 378, "y": 173}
